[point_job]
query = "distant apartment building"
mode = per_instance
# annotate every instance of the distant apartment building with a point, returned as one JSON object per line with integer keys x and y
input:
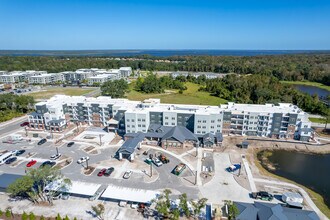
{"x": 18, "y": 76}
{"x": 196, "y": 75}
{"x": 124, "y": 116}
{"x": 93, "y": 75}
{"x": 46, "y": 78}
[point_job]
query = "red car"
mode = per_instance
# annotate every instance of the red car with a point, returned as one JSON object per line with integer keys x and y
{"x": 101, "y": 173}
{"x": 31, "y": 163}
{"x": 24, "y": 124}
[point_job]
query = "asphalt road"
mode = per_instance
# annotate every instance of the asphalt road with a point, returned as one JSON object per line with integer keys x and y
{"x": 6, "y": 128}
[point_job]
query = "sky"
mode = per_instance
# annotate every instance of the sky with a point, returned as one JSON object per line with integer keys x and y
{"x": 164, "y": 24}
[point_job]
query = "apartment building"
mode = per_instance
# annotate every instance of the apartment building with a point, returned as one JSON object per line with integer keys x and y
{"x": 46, "y": 78}
{"x": 101, "y": 78}
{"x": 18, "y": 76}
{"x": 124, "y": 116}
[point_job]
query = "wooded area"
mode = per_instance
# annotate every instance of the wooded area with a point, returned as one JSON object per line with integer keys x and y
{"x": 312, "y": 67}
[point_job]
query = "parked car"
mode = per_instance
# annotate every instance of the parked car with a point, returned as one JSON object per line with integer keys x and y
{"x": 233, "y": 168}
{"x": 31, "y": 163}
{"x": 157, "y": 162}
{"x": 263, "y": 195}
{"x": 109, "y": 171}
{"x": 55, "y": 156}
{"x": 24, "y": 124}
{"x": 82, "y": 160}
{"x": 48, "y": 163}
{"x": 122, "y": 203}
{"x": 10, "y": 160}
{"x": 101, "y": 172}
{"x": 42, "y": 141}
{"x": 70, "y": 144}
{"x": 20, "y": 152}
{"x": 127, "y": 174}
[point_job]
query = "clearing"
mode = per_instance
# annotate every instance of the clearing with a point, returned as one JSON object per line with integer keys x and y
{"x": 49, "y": 92}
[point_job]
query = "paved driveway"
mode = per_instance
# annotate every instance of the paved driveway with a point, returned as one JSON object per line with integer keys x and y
{"x": 223, "y": 185}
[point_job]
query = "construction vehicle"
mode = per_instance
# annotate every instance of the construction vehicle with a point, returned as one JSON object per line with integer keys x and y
{"x": 163, "y": 159}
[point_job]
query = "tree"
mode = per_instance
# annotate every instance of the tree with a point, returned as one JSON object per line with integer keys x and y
{"x": 233, "y": 211}
{"x": 24, "y": 216}
{"x": 32, "y": 216}
{"x": 42, "y": 217}
{"x": 66, "y": 218}
{"x": 184, "y": 205}
{"x": 58, "y": 217}
{"x": 1, "y": 212}
{"x": 197, "y": 206}
{"x": 99, "y": 210}
{"x": 33, "y": 184}
{"x": 8, "y": 213}
{"x": 163, "y": 204}
{"x": 115, "y": 89}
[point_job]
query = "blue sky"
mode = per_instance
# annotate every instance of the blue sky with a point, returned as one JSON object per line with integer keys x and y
{"x": 164, "y": 24}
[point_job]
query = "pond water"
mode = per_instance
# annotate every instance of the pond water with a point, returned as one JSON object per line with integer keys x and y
{"x": 322, "y": 93}
{"x": 310, "y": 170}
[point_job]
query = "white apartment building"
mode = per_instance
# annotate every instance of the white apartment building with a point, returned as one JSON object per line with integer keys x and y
{"x": 124, "y": 116}
{"x": 18, "y": 76}
{"x": 101, "y": 78}
{"x": 46, "y": 78}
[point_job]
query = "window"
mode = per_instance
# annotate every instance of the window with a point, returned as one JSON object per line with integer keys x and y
{"x": 133, "y": 126}
{"x": 143, "y": 126}
{"x": 173, "y": 118}
{"x": 139, "y": 125}
{"x": 128, "y": 126}
{"x": 127, "y": 120}
{"x": 139, "y": 119}
{"x": 198, "y": 126}
{"x": 218, "y": 130}
{"x": 166, "y": 123}
{"x": 212, "y": 126}
{"x": 204, "y": 126}
{"x": 204, "y": 121}
{"x": 128, "y": 131}
{"x": 218, "y": 126}
{"x": 173, "y": 123}
{"x": 199, "y": 121}
{"x": 132, "y": 120}
{"x": 166, "y": 117}
{"x": 143, "y": 120}
{"x": 212, "y": 121}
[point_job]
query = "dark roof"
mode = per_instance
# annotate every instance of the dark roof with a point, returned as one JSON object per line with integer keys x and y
{"x": 130, "y": 145}
{"x": 6, "y": 179}
{"x": 219, "y": 137}
{"x": 35, "y": 114}
{"x": 271, "y": 211}
{"x": 208, "y": 137}
{"x": 180, "y": 134}
{"x": 247, "y": 211}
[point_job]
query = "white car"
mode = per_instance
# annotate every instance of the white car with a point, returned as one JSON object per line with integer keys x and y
{"x": 134, "y": 205}
{"x": 157, "y": 162}
{"x": 82, "y": 160}
{"x": 127, "y": 174}
{"x": 55, "y": 156}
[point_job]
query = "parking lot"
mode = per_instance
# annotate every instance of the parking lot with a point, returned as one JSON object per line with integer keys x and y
{"x": 101, "y": 157}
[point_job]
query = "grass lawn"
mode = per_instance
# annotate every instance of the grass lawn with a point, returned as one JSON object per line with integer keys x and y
{"x": 189, "y": 96}
{"x": 60, "y": 91}
{"x": 317, "y": 120}
{"x": 307, "y": 83}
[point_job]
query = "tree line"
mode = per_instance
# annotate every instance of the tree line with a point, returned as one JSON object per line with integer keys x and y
{"x": 14, "y": 105}
{"x": 297, "y": 67}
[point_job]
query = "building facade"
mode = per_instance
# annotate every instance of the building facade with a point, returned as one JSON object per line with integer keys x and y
{"x": 124, "y": 116}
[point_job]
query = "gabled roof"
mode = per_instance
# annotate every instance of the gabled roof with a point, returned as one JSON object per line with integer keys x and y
{"x": 271, "y": 211}
{"x": 130, "y": 145}
{"x": 180, "y": 134}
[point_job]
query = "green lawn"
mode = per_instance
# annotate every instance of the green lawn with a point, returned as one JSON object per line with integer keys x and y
{"x": 307, "y": 83}
{"x": 317, "y": 120}
{"x": 60, "y": 91}
{"x": 189, "y": 96}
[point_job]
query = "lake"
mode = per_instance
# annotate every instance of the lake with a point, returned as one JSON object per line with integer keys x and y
{"x": 310, "y": 170}
{"x": 322, "y": 93}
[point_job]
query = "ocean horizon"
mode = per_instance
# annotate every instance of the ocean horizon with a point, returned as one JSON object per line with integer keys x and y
{"x": 156, "y": 52}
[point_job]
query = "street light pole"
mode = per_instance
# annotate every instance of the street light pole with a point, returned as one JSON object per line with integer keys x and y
{"x": 196, "y": 178}
{"x": 100, "y": 139}
{"x": 57, "y": 150}
{"x": 86, "y": 164}
{"x": 150, "y": 169}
